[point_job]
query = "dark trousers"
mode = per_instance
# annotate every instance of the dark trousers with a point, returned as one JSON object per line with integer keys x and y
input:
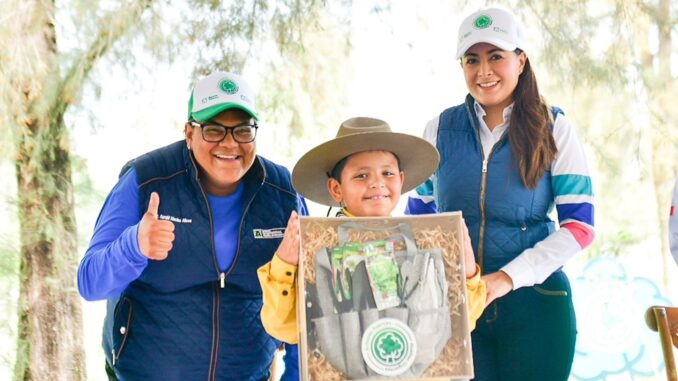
{"x": 527, "y": 335}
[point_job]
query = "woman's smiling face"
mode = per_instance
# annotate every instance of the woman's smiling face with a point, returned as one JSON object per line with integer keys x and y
{"x": 492, "y": 74}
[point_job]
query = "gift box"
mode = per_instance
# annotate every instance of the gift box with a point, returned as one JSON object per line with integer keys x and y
{"x": 383, "y": 298}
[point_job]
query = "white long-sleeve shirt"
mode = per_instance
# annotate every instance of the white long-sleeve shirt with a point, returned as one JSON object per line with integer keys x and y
{"x": 574, "y": 206}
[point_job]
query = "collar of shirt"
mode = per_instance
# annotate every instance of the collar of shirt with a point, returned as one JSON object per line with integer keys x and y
{"x": 344, "y": 213}
{"x": 488, "y": 138}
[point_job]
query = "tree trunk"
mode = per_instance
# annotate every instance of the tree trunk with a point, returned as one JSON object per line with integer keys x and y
{"x": 663, "y": 160}
{"x": 50, "y": 317}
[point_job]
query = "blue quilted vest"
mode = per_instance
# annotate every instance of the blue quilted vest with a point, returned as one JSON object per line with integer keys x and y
{"x": 182, "y": 319}
{"x": 503, "y": 216}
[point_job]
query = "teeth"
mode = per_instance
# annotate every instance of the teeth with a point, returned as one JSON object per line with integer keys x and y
{"x": 488, "y": 84}
{"x": 226, "y": 156}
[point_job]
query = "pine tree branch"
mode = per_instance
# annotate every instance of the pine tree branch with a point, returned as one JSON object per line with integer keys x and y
{"x": 113, "y": 27}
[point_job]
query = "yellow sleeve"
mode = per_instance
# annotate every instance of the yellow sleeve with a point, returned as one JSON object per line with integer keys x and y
{"x": 476, "y": 293}
{"x": 279, "y": 311}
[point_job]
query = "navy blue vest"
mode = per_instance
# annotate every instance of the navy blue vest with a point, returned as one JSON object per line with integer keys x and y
{"x": 176, "y": 322}
{"x": 515, "y": 217}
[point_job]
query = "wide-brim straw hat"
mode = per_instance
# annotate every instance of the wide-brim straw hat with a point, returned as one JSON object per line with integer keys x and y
{"x": 418, "y": 158}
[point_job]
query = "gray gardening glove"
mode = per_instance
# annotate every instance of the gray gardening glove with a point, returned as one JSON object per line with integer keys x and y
{"x": 425, "y": 294}
{"x": 442, "y": 279}
{"x": 411, "y": 271}
{"x": 421, "y": 285}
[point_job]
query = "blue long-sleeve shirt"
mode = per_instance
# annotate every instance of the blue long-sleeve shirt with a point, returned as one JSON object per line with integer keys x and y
{"x": 113, "y": 259}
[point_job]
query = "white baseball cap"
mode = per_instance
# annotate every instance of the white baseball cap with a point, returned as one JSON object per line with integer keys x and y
{"x": 493, "y": 26}
{"x": 219, "y": 92}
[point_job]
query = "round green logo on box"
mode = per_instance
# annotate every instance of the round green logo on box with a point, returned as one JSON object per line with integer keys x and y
{"x": 389, "y": 347}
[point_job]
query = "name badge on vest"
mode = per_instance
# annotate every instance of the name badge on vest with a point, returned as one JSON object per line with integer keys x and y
{"x": 268, "y": 233}
{"x": 179, "y": 220}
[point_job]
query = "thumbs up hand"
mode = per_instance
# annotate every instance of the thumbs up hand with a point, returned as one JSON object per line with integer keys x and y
{"x": 155, "y": 236}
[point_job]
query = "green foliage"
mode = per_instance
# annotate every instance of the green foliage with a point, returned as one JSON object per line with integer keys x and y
{"x": 9, "y": 259}
{"x": 303, "y": 87}
{"x": 575, "y": 45}
{"x": 298, "y": 48}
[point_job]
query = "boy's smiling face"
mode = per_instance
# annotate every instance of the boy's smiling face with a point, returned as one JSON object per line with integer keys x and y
{"x": 371, "y": 183}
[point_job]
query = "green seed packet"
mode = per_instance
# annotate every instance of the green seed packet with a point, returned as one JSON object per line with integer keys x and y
{"x": 381, "y": 266}
{"x": 353, "y": 254}
{"x": 382, "y": 271}
{"x": 336, "y": 258}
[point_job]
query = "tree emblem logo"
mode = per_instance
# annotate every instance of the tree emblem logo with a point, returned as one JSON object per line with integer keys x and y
{"x": 228, "y": 86}
{"x": 389, "y": 347}
{"x": 482, "y": 22}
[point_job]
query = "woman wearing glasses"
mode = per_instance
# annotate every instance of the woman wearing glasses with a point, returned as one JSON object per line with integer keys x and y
{"x": 177, "y": 244}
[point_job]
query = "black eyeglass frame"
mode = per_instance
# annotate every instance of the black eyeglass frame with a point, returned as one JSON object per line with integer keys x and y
{"x": 226, "y": 129}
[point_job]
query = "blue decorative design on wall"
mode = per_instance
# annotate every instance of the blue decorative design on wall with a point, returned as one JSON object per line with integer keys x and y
{"x": 612, "y": 339}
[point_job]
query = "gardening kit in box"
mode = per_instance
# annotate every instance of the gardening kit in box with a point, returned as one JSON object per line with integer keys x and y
{"x": 383, "y": 298}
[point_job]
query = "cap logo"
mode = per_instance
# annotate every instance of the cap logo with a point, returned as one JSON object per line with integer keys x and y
{"x": 228, "y": 86}
{"x": 482, "y": 22}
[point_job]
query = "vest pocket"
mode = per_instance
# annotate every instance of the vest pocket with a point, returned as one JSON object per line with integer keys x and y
{"x": 122, "y": 319}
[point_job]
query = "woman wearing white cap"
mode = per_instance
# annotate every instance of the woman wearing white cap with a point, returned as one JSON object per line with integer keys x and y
{"x": 507, "y": 159}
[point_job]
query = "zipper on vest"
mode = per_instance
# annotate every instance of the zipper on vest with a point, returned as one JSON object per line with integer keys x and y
{"x": 481, "y": 232}
{"x": 483, "y": 182}
{"x": 209, "y": 215}
{"x": 483, "y": 191}
{"x": 222, "y": 279}
{"x": 211, "y": 376}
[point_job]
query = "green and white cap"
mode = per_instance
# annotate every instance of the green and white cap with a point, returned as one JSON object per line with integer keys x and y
{"x": 219, "y": 92}
{"x": 493, "y": 26}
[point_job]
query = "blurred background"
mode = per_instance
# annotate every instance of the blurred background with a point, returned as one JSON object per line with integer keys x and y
{"x": 88, "y": 85}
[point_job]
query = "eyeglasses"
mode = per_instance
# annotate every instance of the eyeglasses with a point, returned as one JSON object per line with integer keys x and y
{"x": 214, "y": 132}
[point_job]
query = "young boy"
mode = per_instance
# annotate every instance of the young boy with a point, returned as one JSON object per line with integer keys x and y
{"x": 363, "y": 171}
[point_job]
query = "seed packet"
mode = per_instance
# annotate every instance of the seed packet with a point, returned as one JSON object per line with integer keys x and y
{"x": 336, "y": 257}
{"x": 382, "y": 271}
{"x": 353, "y": 253}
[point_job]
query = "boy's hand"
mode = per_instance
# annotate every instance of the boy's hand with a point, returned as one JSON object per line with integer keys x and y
{"x": 469, "y": 259}
{"x": 288, "y": 250}
{"x": 155, "y": 236}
